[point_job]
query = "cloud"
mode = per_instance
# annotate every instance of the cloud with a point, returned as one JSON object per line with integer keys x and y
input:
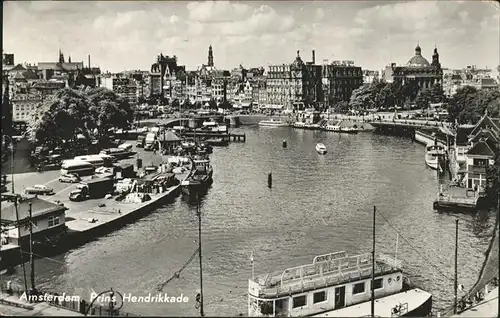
{"x": 174, "y": 19}
{"x": 320, "y": 13}
{"x": 217, "y": 11}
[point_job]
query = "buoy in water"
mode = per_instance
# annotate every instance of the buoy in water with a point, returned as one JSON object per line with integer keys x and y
{"x": 284, "y": 144}
{"x": 270, "y": 180}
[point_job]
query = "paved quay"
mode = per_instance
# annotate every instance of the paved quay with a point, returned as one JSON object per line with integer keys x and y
{"x": 105, "y": 211}
{"x": 486, "y": 308}
{"x": 13, "y": 306}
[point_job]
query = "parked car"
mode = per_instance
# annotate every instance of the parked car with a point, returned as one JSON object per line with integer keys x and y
{"x": 69, "y": 178}
{"x": 39, "y": 189}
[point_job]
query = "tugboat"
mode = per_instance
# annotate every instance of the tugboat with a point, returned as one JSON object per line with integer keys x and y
{"x": 200, "y": 179}
{"x": 432, "y": 154}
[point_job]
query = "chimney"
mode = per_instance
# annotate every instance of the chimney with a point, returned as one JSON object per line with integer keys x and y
{"x": 314, "y": 57}
{"x": 89, "y": 61}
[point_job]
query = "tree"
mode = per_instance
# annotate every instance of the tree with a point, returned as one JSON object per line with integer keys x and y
{"x": 109, "y": 110}
{"x": 488, "y": 99}
{"x": 175, "y": 103}
{"x": 461, "y": 106}
{"x": 61, "y": 118}
{"x": 361, "y": 98}
{"x": 385, "y": 97}
{"x": 212, "y": 104}
{"x": 341, "y": 107}
{"x": 437, "y": 94}
{"x": 423, "y": 99}
{"x": 186, "y": 104}
{"x": 493, "y": 179}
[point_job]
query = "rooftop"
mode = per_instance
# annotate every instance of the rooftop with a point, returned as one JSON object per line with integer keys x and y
{"x": 39, "y": 207}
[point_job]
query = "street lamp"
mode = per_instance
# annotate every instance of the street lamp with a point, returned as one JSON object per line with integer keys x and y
{"x": 11, "y": 158}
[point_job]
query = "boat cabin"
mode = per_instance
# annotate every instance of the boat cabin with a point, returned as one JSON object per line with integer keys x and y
{"x": 333, "y": 281}
{"x": 201, "y": 165}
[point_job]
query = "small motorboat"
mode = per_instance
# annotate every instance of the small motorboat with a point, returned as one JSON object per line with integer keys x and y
{"x": 321, "y": 149}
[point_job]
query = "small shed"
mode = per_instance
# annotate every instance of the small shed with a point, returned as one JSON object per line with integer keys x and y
{"x": 169, "y": 140}
{"x": 124, "y": 170}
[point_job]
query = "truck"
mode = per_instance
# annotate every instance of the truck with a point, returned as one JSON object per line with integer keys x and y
{"x": 150, "y": 142}
{"x": 92, "y": 189}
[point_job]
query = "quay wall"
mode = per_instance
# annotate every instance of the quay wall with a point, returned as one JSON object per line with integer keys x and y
{"x": 82, "y": 236}
{"x": 425, "y": 138}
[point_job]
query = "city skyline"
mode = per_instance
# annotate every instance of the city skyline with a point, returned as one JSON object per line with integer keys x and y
{"x": 128, "y": 35}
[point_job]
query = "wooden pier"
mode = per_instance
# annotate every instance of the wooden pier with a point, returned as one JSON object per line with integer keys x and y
{"x": 236, "y": 137}
{"x": 451, "y": 202}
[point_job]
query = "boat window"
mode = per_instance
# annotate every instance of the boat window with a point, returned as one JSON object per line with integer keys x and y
{"x": 358, "y": 288}
{"x": 281, "y": 307}
{"x": 299, "y": 301}
{"x": 379, "y": 283}
{"x": 319, "y": 297}
{"x": 266, "y": 307}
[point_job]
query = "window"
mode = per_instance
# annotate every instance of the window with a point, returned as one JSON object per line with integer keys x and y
{"x": 358, "y": 288}
{"x": 53, "y": 221}
{"x": 378, "y": 283}
{"x": 299, "y": 301}
{"x": 319, "y": 297}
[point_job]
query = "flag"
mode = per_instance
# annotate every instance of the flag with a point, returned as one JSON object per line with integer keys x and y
{"x": 251, "y": 257}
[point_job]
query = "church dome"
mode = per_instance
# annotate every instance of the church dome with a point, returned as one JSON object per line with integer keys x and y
{"x": 418, "y": 60}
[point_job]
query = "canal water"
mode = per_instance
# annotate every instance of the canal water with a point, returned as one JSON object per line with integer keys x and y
{"x": 318, "y": 204}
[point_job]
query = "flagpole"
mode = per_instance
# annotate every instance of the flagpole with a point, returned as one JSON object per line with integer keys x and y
{"x": 253, "y": 267}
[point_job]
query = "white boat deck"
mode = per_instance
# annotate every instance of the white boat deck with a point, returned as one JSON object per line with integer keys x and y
{"x": 409, "y": 301}
{"x": 326, "y": 270}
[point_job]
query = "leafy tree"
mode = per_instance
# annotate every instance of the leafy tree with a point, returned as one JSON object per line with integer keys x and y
{"x": 488, "y": 99}
{"x": 385, "y": 96}
{"x": 437, "y": 94}
{"x": 423, "y": 99}
{"x": 175, "y": 103}
{"x": 61, "y": 118}
{"x": 341, "y": 107}
{"x": 361, "y": 97}
{"x": 461, "y": 106}
{"x": 109, "y": 110}
{"x": 212, "y": 104}
{"x": 186, "y": 104}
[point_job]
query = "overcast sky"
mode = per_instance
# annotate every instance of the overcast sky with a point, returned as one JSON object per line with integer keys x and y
{"x": 129, "y": 35}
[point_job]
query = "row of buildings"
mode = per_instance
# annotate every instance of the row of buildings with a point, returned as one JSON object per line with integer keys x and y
{"x": 288, "y": 86}
{"x": 27, "y": 85}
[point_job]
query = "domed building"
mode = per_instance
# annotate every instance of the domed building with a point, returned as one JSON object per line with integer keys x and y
{"x": 417, "y": 71}
{"x": 294, "y": 86}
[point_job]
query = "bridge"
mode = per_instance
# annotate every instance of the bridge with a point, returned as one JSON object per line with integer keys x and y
{"x": 410, "y": 124}
{"x": 181, "y": 121}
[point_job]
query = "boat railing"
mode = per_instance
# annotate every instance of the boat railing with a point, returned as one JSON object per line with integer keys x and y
{"x": 332, "y": 270}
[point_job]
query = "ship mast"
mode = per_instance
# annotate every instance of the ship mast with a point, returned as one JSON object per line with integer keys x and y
{"x": 373, "y": 267}
{"x": 198, "y": 212}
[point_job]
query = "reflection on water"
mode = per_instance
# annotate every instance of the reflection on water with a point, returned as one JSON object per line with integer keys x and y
{"x": 318, "y": 204}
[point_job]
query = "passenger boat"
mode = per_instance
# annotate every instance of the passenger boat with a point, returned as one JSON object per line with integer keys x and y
{"x": 217, "y": 142}
{"x": 432, "y": 154}
{"x": 338, "y": 285}
{"x": 339, "y": 129}
{"x": 335, "y": 128}
{"x": 321, "y": 149}
{"x": 299, "y": 124}
{"x": 349, "y": 130}
{"x": 273, "y": 123}
{"x": 200, "y": 179}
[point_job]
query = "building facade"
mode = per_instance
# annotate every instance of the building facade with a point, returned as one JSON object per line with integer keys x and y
{"x": 418, "y": 72}
{"x": 339, "y": 79}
